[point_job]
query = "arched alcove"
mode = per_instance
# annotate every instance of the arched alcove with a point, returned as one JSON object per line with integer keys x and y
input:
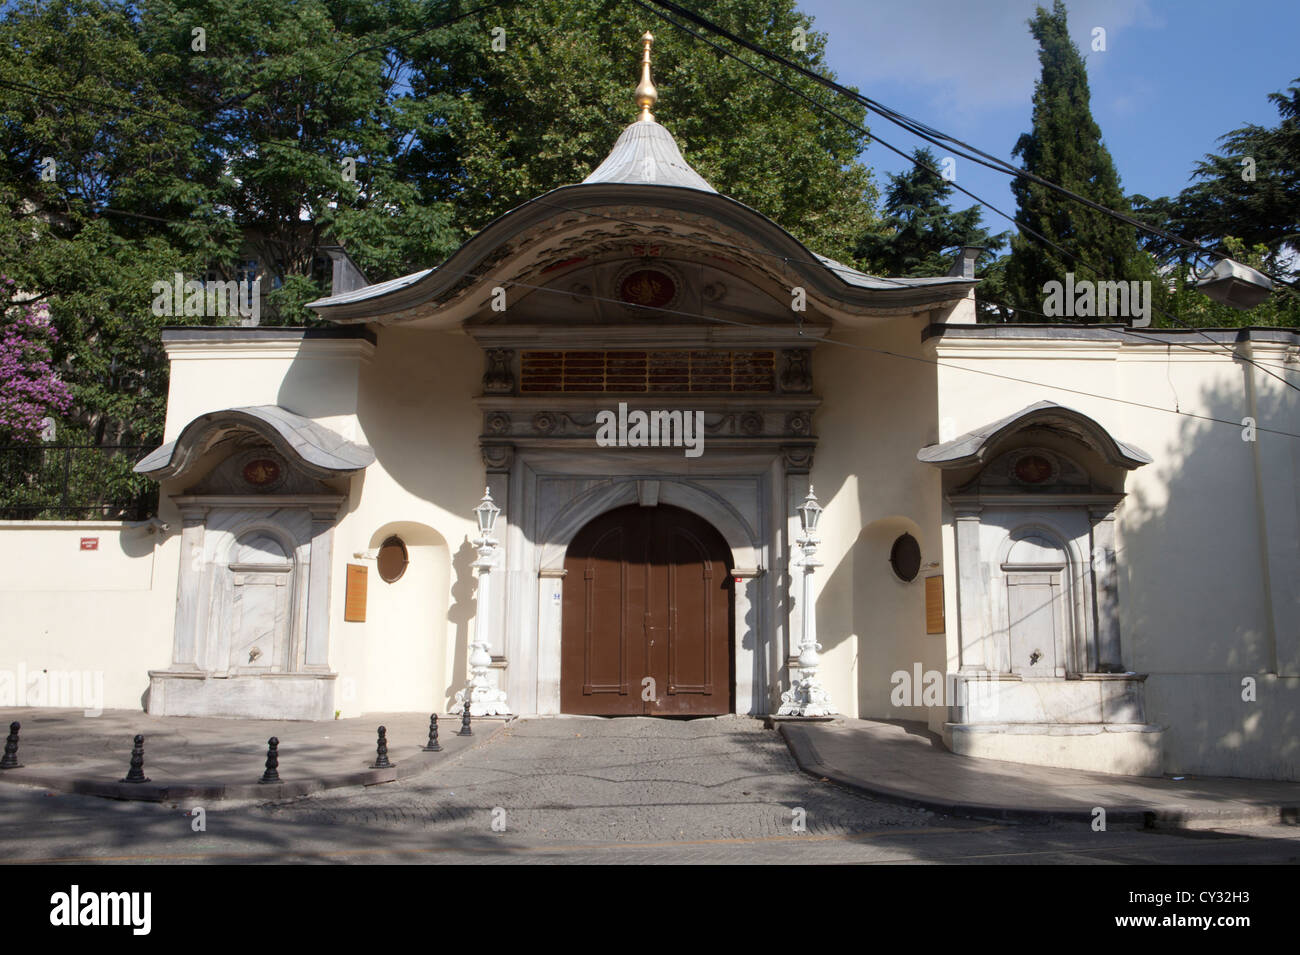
{"x": 888, "y": 617}
{"x": 408, "y": 652}
{"x": 1036, "y": 593}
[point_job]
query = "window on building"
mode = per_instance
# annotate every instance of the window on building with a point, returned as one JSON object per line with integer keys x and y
{"x": 392, "y": 559}
{"x": 905, "y": 558}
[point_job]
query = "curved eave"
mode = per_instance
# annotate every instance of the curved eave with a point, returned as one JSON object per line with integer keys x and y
{"x": 838, "y": 289}
{"x": 975, "y": 447}
{"x": 320, "y": 451}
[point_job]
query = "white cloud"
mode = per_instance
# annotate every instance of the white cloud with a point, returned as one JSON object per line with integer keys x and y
{"x": 965, "y": 55}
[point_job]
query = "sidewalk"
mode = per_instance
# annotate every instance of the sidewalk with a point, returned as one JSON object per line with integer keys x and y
{"x": 208, "y": 758}
{"x": 904, "y": 762}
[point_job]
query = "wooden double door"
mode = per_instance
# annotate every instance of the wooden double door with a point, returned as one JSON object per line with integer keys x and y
{"x": 647, "y": 616}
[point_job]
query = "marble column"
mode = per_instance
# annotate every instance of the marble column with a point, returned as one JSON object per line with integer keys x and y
{"x": 974, "y": 639}
{"x": 185, "y": 649}
{"x": 316, "y": 652}
{"x": 1105, "y": 577}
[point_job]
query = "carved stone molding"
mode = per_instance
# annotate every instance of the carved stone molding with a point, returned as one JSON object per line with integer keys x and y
{"x": 498, "y": 457}
{"x": 499, "y": 379}
{"x": 797, "y": 460}
{"x": 798, "y": 422}
{"x": 796, "y": 376}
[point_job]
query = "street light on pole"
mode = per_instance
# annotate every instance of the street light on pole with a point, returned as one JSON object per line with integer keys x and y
{"x": 481, "y": 696}
{"x": 806, "y": 696}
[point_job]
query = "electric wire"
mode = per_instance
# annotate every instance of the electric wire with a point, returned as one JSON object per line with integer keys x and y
{"x": 1100, "y": 274}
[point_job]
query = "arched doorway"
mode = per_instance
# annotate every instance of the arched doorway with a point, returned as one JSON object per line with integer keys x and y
{"x": 647, "y": 594}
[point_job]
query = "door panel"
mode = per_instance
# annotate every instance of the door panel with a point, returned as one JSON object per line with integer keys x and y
{"x": 1033, "y": 601}
{"x": 259, "y": 621}
{"x": 647, "y": 593}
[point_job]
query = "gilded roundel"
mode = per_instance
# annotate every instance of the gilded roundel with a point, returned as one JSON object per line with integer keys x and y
{"x": 644, "y": 288}
{"x": 262, "y": 470}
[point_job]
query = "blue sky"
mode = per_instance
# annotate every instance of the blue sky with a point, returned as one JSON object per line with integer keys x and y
{"x": 1175, "y": 75}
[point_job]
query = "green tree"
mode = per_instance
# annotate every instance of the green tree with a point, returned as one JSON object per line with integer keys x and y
{"x": 306, "y": 106}
{"x": 1244, "y": 204}
{"x": 919, "y": 233}
{"x": 1065, "y": 147}
{"x": 504, "y": 126}
{"x": 394, "y": 128}
{"x": 1249, "y": 191}
{"x": 101, "y": 155}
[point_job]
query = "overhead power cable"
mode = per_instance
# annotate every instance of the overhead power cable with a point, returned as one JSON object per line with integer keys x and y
{"x": 822, "y": 107}
{"x": 928, "y": 133}
{"x": 876, "y": 138}
{"x": 466, "y": 273}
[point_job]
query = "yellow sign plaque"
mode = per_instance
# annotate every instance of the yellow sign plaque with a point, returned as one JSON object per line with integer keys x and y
{"x": 354, "y": 602}
{"x": 934, "y": 604}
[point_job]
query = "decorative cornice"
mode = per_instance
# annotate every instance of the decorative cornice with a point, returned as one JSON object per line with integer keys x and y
{"x": 540, "y": 337}
{"x": 1030, "y": 499}
{"x": 260, "y": 501}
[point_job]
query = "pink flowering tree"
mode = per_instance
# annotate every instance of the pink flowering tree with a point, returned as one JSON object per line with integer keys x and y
{"x": 32, "y": 389}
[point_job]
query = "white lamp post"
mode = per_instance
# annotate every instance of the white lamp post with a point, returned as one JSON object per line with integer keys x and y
{"x": 806, "y": 697}
{"x": 484, "y": 699}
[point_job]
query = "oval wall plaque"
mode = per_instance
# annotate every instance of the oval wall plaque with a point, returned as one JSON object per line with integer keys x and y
{"x": 650, "y": 288}
{"x": 1033, "y": 469}
{"x": 260, "y": 472}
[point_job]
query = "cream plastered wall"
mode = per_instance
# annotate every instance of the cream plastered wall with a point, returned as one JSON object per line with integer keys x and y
{"x": 415, "y": 408}
{"x": 878, "y": 409}
{"x": 1207, "y": 542}
{"x": 103, "y": 614}
{"x": 112, "y": 610}
{"x": 410, "y": 397}
{"x": 315, "y": 378}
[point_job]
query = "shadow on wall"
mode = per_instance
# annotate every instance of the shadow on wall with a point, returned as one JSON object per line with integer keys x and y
{"x": 310, "y": 388}
{"x": 416, "y": 409}
{"x": 459, "y": 615}
{"x": 1193, "y": 599}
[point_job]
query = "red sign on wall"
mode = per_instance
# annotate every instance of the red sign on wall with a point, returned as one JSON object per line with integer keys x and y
{"x": 90, "y": 543}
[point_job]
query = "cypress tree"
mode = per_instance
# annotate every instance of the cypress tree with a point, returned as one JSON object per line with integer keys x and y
{"x": 1065, "y": 147}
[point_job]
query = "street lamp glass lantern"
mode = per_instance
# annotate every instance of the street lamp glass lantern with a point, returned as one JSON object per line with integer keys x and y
{"x": 810, "y": 512}
{"x": 486, "y": 512}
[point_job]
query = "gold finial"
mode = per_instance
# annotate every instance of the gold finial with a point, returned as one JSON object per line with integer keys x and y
{"x": 646, "y": 94}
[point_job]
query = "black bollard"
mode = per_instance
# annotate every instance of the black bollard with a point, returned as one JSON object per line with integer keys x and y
{"x": 433, "y": 746}
{"x": 10, "y": 759}
{"x": 464, "y": 720}
{"x": 381, "y": 751}
{"x": 272, "y": 774}
{"x": 136, "y": 772}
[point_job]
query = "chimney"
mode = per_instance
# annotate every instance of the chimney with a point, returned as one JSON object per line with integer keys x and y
{"x": 346, "y": 276}
{"x": 964, "y": 266}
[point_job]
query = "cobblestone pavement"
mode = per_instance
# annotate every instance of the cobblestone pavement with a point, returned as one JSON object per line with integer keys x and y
{"x": 636, "y": 791}
{"x": 625, "y": 780}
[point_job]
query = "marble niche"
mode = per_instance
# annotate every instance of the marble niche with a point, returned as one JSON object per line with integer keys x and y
{"x": 251, "y": 630}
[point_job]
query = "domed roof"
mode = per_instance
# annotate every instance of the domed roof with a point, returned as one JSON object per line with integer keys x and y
{"x": 647, "y": 154}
